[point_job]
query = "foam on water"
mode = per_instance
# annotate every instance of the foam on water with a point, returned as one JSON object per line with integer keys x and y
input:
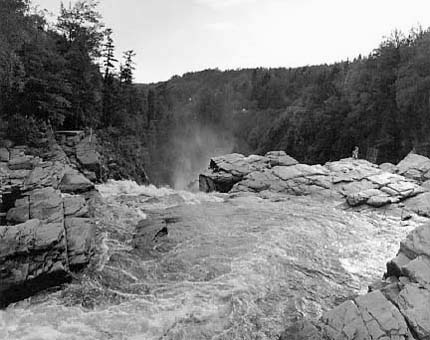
{"x": 238, "y": 268}
{"x": 127, "y": 187}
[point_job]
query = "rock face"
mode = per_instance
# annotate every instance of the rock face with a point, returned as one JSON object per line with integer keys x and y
{"x": 225, "y": 171}
{"x": 357, "y": 182}
{"x": 397, "y": 308}
{"x": 45, "y": 232}
{"x": 81, "y": 148}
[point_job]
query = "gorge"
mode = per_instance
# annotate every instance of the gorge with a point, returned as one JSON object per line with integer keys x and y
{"x": 284, "y": 244}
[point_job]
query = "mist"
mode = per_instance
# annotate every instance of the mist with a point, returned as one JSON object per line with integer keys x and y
{"x": 193, "y": 151}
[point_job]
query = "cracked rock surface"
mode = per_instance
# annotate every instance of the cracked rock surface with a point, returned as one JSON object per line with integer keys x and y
{"x": 45, "y": 229}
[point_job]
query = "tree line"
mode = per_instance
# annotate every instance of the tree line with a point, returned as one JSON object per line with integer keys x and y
{"x": 379, "y": 102}
{"x": 65, "y": 74}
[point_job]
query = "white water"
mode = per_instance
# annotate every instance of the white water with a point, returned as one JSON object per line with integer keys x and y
{"x": 231, "y": 268}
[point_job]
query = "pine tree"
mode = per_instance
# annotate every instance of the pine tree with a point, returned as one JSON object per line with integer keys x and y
{"x": 108, "y": 54}
{"x": 128, "y": 67}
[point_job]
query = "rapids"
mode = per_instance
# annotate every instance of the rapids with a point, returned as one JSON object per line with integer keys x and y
{"x": 230, "y": 267}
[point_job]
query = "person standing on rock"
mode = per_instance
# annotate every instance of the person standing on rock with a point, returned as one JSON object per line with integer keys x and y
{"x": 355, "y": 153}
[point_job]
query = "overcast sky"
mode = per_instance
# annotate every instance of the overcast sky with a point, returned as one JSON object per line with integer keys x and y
{"x": 177, "y": 36}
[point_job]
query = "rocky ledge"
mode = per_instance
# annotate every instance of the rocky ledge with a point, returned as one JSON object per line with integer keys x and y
{"x": 45, "y": 229}
{"x": 355, "y": 182}
{"x": 396, "y": 307}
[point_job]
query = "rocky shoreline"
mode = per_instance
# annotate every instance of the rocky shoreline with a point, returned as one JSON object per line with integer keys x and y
{"x": 46, "y": 230}
{"x": 396, "y": 307}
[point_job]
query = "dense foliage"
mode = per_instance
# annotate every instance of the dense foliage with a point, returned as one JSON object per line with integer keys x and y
{"x": 315, "y": 113}
{"x": 65, "y": 75}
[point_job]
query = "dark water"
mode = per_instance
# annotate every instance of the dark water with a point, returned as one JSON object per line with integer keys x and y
{"x": 229, "y": 268}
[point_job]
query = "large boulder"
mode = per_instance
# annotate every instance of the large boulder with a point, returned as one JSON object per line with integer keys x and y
{"x": 46, "y": 205}
{"x": 415, "y": 166}
{"x": 74, "y": 182}
{"x": 217, "y": 181}
{"x": 357, "y": 181}
{"x": 80, "y": 237}
{"x": 45, "y": 174}
{"x": 87, "y": 155}
{"x": 32, "y": 257}
{"x": 225, "y": 171}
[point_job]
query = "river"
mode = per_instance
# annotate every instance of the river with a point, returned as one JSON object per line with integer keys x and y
{"x": 229, "y": 267}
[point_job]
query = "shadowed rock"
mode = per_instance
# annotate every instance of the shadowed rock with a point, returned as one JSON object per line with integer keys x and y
{"x": 46, "y": 236}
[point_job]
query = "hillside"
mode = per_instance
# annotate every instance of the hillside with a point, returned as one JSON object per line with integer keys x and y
{"x": 315, "y": 113}
{"x": 63, "y": 75}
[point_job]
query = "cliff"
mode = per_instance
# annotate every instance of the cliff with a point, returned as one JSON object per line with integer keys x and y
{"x": 46, "y": 231}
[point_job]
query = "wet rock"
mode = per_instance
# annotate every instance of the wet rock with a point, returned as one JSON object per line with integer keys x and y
{"x": 74, "y": 182}
{"x": 151, "y": 234}
{"x": 32, "y": 257}
{"x": 80, "y": 236}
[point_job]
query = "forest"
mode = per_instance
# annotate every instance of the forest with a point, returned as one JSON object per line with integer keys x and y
{"x": 65, "y": 75}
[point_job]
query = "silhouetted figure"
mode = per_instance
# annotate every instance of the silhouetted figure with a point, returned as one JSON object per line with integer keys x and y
{"x": 355, "y": 152}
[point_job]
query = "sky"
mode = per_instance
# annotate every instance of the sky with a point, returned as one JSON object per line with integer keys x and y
{"x": 172, "y": 37}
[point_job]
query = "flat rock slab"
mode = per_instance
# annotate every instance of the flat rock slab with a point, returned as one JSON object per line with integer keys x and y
{"x": 414, "y": 302}
{"x": 370, "y": 316}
